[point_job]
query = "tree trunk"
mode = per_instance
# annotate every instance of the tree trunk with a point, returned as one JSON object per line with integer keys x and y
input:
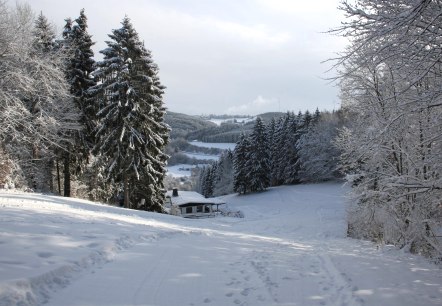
{"x": 51, "y": 176}
{"x": 34, "y": 166}
{"x": 67, "y": 175}
{"x": 126, "y": 191}
{"x": 58, "y": 178}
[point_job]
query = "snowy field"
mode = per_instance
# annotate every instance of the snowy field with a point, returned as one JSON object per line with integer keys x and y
{"x": 181, "y": 170}
{"x": 202, "y": 156}
{"x": 231, "y": 120}
{"x": 223, "y": 145}
{"x": 290, "y": 249}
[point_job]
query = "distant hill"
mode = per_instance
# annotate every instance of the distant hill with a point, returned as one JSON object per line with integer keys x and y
{"x": 199, "y": 128}
{"x": 182, "y": 124}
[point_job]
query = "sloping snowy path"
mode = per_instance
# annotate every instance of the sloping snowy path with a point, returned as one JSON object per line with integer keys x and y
{"x": 289, "y": 250}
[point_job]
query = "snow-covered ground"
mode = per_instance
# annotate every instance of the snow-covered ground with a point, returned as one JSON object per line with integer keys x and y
{"x": 290, "y": 249}
{"x": 202, "y": 156}
{"x": 184, "y": 169}
{"x": 180, "y": 170}
{"x": 242, "y": 120}
{"x": 223, "y": 145}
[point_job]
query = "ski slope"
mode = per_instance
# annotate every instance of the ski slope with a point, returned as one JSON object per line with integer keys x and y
{"x": 290, "y": 249}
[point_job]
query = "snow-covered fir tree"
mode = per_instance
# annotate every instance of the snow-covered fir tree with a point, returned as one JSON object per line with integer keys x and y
{"x": 77, "y": 45}
{"x": 216, "y": 179}
{"x": 241, "y": 183}
{"x": 224, "y": 174}
{"x": 278, "y": 157}
{"x": 290, "y": 172}
{"x": 43, "y": 35}
{"x": 272, "y": 145}
{"x": 257, "y": 161}
{"x": 131, "y": 133}
{"x": 80, "y": 66}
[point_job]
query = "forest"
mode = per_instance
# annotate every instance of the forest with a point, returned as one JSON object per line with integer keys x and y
{"x": 75, "y": 126}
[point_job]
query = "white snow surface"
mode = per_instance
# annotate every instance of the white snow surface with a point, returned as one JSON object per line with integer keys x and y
{"x": 290, "y": 249}
{"x": 219, "y": 145}
{"x": 180, "y": 170}
{"x": 231, "y": 120}
{"x": 202, "y": 156}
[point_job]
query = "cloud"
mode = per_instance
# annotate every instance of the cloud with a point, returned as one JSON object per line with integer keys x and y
{"x": 258, "y": 33}
{"x": 215, "y": 54}
{"x": 291, "y": 7}
{"x": 255, "y": 107}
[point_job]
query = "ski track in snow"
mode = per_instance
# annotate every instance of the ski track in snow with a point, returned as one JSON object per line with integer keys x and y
{"x": 290, "y": 249}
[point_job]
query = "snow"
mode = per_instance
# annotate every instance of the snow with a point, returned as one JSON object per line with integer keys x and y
{"x": 202, "y": 156}
{"x": 180, "y": 170}
{"x": 186, "y": 197}
{"x": 242, "y": 120}
{"x": 290, "y": 249}
{"x": 183, "y": 170}
{"x": 223, "y": 145}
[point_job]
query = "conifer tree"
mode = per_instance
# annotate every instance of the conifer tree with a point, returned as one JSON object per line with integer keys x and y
{"x": 291, "y": 169}
{"x": 316, "y": 116}
{"x": 44, "y": 35}
{"x": 224, "y": 174}
{"x": 79, "y": 67}
{"x": 201, "y": 183}
{"x": 209, "y": 180}
{"x": 131, "y": 133}
{"x": 271, "y": 138}
{"x": 241, "y": 173}
{"x": 279, "y": 160}
{"x": 258, "y": 158}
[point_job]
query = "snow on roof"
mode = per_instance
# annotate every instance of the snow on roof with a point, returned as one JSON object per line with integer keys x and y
{"x": 191, "y": 197}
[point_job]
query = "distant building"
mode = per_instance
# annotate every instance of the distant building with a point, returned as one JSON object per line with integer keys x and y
{"x": 191, "y": 204}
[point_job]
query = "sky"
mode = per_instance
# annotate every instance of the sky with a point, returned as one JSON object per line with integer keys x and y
{"x": 225, "y": 56}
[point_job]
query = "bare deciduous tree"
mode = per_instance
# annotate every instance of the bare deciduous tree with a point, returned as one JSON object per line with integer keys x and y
{"x": 391, "y": 80}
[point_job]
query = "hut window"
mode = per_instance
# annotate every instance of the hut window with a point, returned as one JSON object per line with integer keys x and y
{"x": 189, "y": 210}
{"x": 199, "y": 209}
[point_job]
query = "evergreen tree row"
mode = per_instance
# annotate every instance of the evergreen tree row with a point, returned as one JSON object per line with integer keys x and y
{"x": 96, "y": 125}
{"x": 289, "y": 150}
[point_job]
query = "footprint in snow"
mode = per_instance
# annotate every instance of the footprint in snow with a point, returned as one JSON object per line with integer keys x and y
{"x": 45, "y": 254}
{"x": 207, "y": 300}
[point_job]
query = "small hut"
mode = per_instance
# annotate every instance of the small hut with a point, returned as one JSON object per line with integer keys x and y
{"x": 191, "y": 204}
